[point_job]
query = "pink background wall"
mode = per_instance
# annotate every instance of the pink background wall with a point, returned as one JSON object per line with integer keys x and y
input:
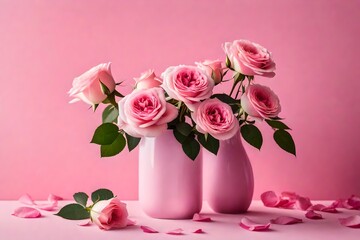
{"x": 44, "y": 141}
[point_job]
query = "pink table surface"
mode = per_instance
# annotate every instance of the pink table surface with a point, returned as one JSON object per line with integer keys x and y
{"x": 224, "y": 226}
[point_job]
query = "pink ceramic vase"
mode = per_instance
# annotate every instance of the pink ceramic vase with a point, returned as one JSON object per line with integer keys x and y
{"x": 228, "y": 177}
{"x": 170, "y": 183}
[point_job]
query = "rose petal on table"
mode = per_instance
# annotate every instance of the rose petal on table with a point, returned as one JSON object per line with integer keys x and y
{"x": 177, "y": 231}
{"x": 199, "y": 231}
{"x": 354, "y": 201}
{"x": 286, "y": 220}
{"x": 54, "y": 198}
{"x": 270, "y": 199}
{"x": 130, "y": 222}
{"x": 85, "y": 224}
{"x": 329, "y": 209}
{"x": 313, "y": 215}
{"x": 289, "y": 195}
{"x": 26, "y": 212}
{"x": 288, "y": 205}
{"x": 250, "y": 225}
{"x": 303, "y": 203}
{"x": 353, "y": 221}
{"x": 147, "y": 229}
{"x": 317, "y": 207}
{"x": 48, "y": 206}
{"x": 27, "y": 199}
{"x": 200, "y": 218}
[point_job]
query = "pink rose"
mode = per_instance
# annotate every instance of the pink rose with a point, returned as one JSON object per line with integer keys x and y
{"x": 250, "y": 58}
{"x": 87, "y": 86}
{"x": 216, "y": 118}
{"x": 212, "y": 68}
{"x": 147, "y": 80}
{"x": 109, "y": 214}
{"x": 260, "y": 102}
{"x": 188, "y": 84}
{"x": 145, "y": 113}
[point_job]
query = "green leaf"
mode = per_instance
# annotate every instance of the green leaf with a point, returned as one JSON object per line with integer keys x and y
{"x": 110, "y": 114}
{"x": 114, "y": 148}
{"x": 184, "y": 128}
{"x": 73, "y": 211}
{"x": 101, "y": 194}
{"x": 81, "y": 198}
{"x": 191, "y": 147}
{"x": 179, "y": 137}
{"x": 276, "y": 124}
{"x": 285, "y": 141}
{"x": 105, "y": 90}
{"x": 225, "y": 98}
{"x": 252, "y": 135}
{"x": 132, "y": 142}
{"x": 209, "y": 142}
{"x": 105, "y": 134}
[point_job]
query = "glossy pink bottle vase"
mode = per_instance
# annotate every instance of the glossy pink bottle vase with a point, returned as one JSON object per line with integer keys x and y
{"x": 170, "y": 183}
{"x": 228, "y": 177}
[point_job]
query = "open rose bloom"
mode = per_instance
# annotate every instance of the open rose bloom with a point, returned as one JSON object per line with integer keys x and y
{"x": 182, "y": 100}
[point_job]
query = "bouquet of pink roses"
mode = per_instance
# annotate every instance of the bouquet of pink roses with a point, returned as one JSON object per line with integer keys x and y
{"x": 182, "y": 100}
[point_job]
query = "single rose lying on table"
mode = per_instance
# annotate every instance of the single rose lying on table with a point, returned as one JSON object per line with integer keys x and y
{"x": 106, "y": 210}
{"x": 182, "y": 100}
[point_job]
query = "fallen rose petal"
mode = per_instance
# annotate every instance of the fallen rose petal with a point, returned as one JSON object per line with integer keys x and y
{"x": 130, "y": 222}
{"x": 317, "y": 207}
{"x": 85, "y": 224}
{"x": 27, "y": 199}
{"x": 313, "y": 215}
{"x": 354, "y": 201}
{"x": 54, "y": 198}
{"x": 26, "y": 212}
{"x": 48, "y": 206}
{"x": 303, "y": 203}
{"x": 200, "y": 218}
{"x": 177, "y": 231}
{"x": 270, "y": 199}
{"x": 289, "y": 195}
{"x": 147, "y": 229}
{"x": 288, "y": 205}
{"x": 285, "y": 220}
{"x": 329, "y": 209}
{"x": 353, "y": 221}
{"x": 199, "y": 231}
{"x": 250, "y": 225}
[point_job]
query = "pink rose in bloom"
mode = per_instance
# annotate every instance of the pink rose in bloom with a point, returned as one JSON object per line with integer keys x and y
{"x": 188, "y": 84}
{"x": 216, "y": 118}
{"x": 145, "y": 113}
{"x": 147, "y": 80}
{"x": 212, "y": 68}
{"x": 87, "y": 86}
{"x": 260, "y": 102}
{"x": 109, "y": 214}
{"x": 250, "y": 58}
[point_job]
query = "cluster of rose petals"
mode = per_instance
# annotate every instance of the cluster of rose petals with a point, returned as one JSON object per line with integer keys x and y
{"x": 188, "y": 84}
{"x": 32, "y": 212}
{"x": 145, "y": 113}
{"x": 250, "y": 225}
{"x": 352, "y": 203}
{"x": 250, "y": 58}
{"x": 212, "y": 68}
{"x": 147, "y": 80}
{"x": 110, "y": 214}
{"x": 260, "y": 102}
{"x": 216, "y": 118}
{"x": 87, "y": 87}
